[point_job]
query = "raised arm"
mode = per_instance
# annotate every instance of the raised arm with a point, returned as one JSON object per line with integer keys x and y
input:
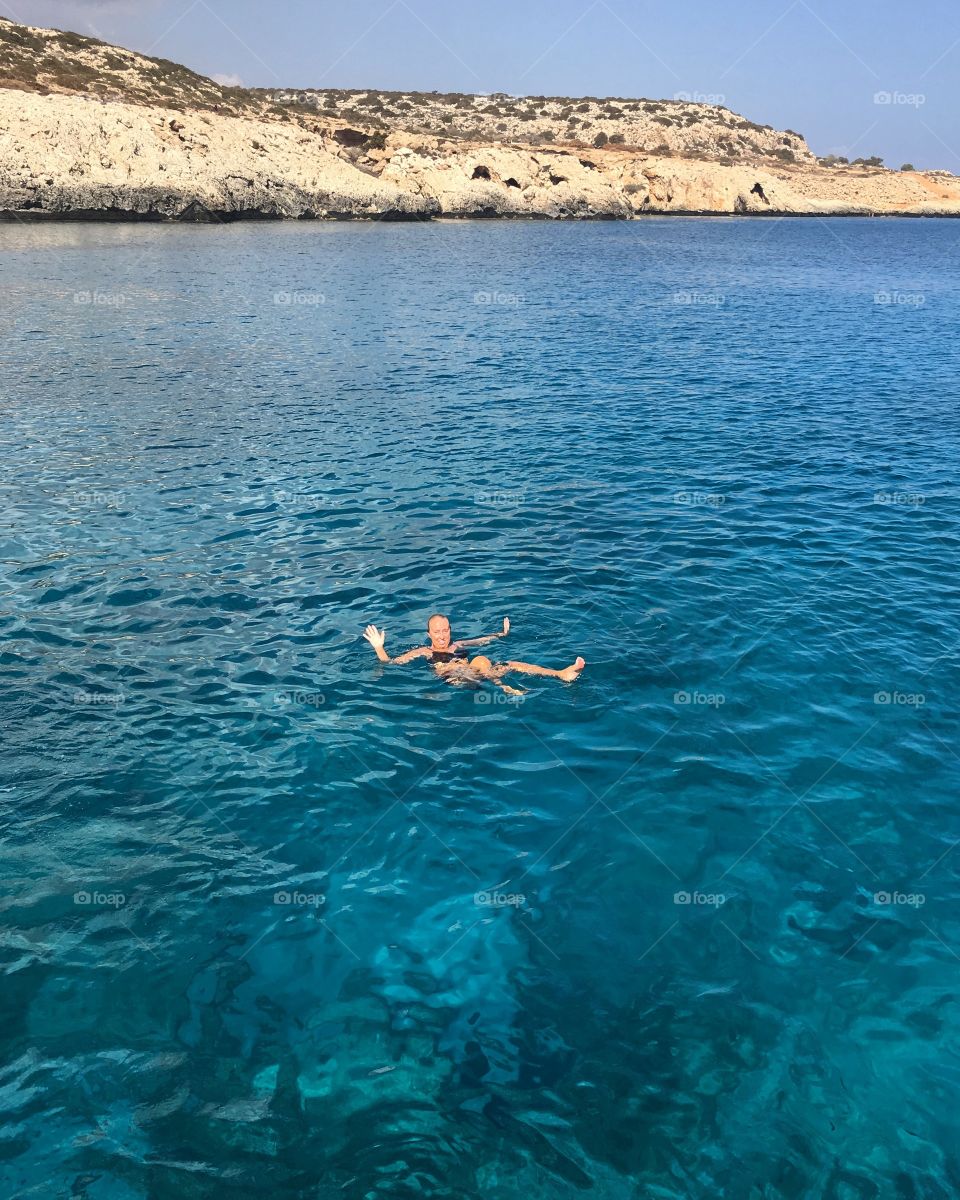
{"x": 376, "y": 637}
{"x": 490, "y": 637}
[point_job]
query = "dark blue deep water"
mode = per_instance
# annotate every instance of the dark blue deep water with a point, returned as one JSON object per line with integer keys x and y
{"x": 279, "y": 921}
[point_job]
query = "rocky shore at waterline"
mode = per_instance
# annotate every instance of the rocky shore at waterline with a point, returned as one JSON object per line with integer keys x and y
{"x": 89, "y": 131}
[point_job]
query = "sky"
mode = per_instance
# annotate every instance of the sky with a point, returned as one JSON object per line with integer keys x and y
{"x": 855, "y": 77}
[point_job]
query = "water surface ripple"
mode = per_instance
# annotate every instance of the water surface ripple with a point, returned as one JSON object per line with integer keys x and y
{"x": 278, "y": 920}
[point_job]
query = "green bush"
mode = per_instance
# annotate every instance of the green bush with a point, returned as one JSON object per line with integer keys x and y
{"x": 600, "y": 140}
{"x": 908, "y": 167}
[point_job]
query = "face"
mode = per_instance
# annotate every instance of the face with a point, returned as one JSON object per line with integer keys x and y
{"x": 439, "y": 633}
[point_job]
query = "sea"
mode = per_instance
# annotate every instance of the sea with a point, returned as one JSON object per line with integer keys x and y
{"x": 281, "y": 920}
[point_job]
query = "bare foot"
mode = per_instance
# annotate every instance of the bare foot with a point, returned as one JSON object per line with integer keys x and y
{"x": 512, "y": 691}
{"x": 569, "y": 674}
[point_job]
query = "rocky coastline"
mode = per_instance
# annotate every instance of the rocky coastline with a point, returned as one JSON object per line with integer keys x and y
{"x": 112, "y": 138}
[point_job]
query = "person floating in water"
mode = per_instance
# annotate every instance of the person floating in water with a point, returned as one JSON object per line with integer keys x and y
{"x": 451, "y": 661}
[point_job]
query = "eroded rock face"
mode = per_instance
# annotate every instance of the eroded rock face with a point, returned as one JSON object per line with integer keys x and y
{"x": 63, "y": 155}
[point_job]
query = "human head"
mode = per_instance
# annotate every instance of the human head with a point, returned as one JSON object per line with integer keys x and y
{"x": 438, "y": 630}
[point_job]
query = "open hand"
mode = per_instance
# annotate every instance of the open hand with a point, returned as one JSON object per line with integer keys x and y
{"x": 375, "y": 636}
{"x": 506, "y": 626}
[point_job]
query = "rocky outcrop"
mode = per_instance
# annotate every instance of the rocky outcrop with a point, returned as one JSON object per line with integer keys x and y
{"x": 65, "y": 154}
{"x": 90, "y": 133}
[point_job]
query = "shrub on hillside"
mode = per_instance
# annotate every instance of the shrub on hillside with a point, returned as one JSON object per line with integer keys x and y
{"x": 600, "y": 140}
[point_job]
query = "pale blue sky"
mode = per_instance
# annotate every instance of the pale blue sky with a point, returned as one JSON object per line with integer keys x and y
{"x": 808, "y": 65}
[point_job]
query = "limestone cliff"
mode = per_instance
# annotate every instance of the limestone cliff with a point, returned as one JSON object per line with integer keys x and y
{"x": 92, "y": 130}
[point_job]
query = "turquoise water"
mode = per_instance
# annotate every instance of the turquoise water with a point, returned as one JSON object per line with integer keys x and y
{"x": 281, "y": 921}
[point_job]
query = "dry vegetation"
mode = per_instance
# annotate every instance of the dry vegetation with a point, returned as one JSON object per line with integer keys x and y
{"x": 654, "y": 126}
{"x": 48, "y": 60}
{"x": 45, "y": 60}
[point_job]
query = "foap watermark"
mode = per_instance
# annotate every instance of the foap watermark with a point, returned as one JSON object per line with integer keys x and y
{"x": 299, "y": 299}
{"x": 905, "y": 899}
{"x": 695, "y": 499}
{"x": 300, "y": 899}
{"x": 703, "y": 699}
{"x": 282, "y": 496}
{"x": 700, "y": 899}
{"x": 701, "y": 97}
{"x": 698, "y": 299}
{"x": 99, "y": 699}
{"x": 905, "y": 99}
{"x": 503, "y": 299}
{"x": 907, "y": 499}
{"x": 498, "y": 697}
{"x": 97, "y": 499}
{"x": 497, "y": 899}
{"x": 100, "y": 899}
{"x": 299, "y": 697}
{"x": 898, "y": 299}
{"x": 101, "y": 299}
{"x": 499, "y": 499}
{"x": 900, "y": 699}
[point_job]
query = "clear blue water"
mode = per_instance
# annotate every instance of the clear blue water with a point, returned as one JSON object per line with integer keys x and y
{"x": 700, "y": 454}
